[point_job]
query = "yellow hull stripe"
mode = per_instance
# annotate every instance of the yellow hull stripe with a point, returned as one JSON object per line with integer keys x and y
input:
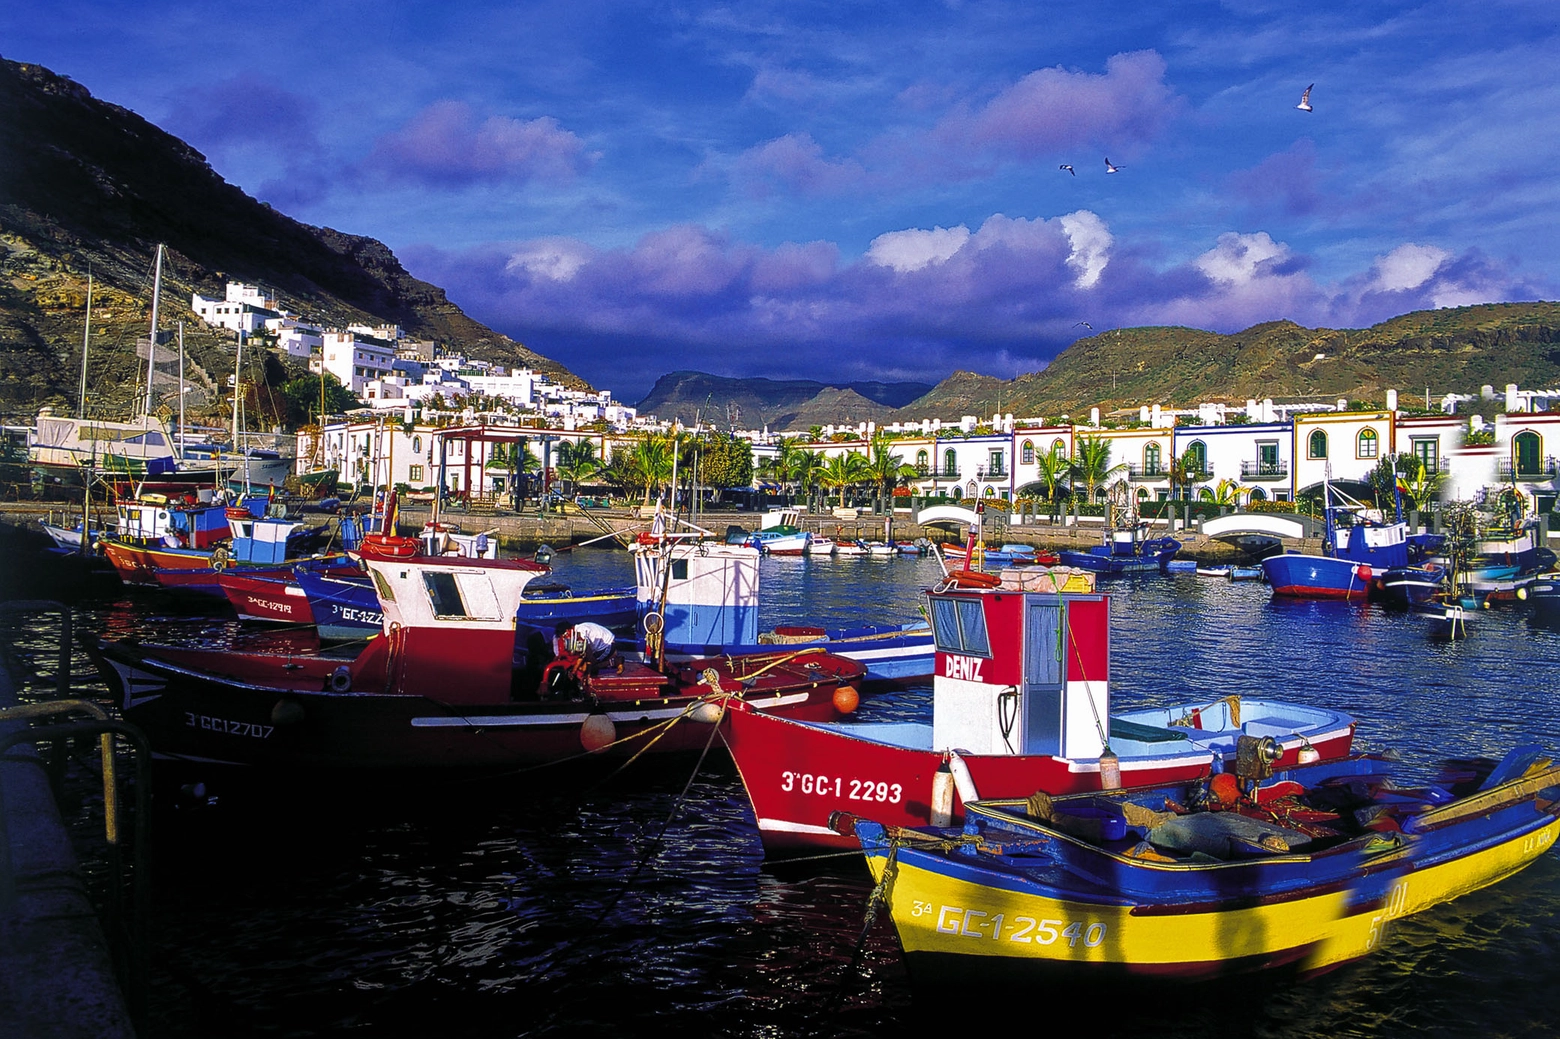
{"x": 935, "y": 913}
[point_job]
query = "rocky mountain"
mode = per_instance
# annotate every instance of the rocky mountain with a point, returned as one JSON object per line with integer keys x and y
{"x": 1456, "y": 350}
{"x": 793, "y": 404}
{"x": 86, "y": 185}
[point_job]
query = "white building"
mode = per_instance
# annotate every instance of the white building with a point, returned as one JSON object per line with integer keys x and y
{"x": 356, "y": 359}
{"x": 1259, "y": 457}
{"x": 245, "y": 308}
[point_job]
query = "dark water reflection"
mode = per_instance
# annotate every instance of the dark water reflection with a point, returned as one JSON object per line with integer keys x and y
{"x": 552, "y": 903}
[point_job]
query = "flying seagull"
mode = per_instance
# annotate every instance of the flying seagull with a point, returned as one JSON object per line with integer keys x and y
{"x": 1305, "y": 100}
{"x": 1111, "y": 169}
{"x": 1085, "y": 324}
{"x": 1068, "y": 168}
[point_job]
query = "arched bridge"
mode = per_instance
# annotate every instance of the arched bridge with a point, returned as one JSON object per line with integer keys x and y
{"x": 946, "y": 514}
{"x": 1241, "y": 526}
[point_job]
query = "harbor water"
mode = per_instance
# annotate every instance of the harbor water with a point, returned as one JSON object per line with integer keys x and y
{"x": 637, "y": 902}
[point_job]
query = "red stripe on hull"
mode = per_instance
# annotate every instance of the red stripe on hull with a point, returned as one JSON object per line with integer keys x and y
{"x": 1301, "y": 591}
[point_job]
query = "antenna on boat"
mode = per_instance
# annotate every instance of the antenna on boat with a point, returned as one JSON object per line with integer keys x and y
{"x": 86, "y": 341}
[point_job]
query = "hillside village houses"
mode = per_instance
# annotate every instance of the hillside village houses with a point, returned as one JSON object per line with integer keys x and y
{"x": 1266, "y": 451}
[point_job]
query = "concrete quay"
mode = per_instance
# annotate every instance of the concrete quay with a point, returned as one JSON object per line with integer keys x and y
{"x": 56, "y": 975}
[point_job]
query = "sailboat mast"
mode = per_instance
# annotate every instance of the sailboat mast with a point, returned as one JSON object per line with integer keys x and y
{"x": 179, "y": 447}
{"x": 86, "y": 341}
{"x": 151, "y": 346}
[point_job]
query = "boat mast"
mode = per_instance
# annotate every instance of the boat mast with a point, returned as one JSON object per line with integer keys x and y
{"x": 151, "y": 346}
{"x": 179, "y": 444}
{"x": 238, "y": 363}
{"x": 86, "y": 340}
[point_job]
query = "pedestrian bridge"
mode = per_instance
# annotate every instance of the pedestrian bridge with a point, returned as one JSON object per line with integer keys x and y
{"x": 946, "y": 515}
{"x": 1239, "y": 526}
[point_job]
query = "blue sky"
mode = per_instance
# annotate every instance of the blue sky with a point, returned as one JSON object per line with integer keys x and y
{"x": 870, "y": 190}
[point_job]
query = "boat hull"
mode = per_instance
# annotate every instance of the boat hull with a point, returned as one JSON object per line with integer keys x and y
{"x": 892, "y": 655}
{"x": 271, "y": 596}
{"x": 194, "y": 715}
{"x": 1316, "y": 577}
{"x": 797, "y": 774}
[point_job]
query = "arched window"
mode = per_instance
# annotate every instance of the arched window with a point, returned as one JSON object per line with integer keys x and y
{"x": 1316, "y": 446}
{"x": 1151, "y": 460}
{"x": 1028, "y": 454}
{"x": 971, "y": 489}
{"x": 417, "y": 445}
{"x": 1258, "y": 494}
{"x": 950, "y": 462}
{"x": 1196, "y": 457}
{"x": 1527, "y": 453}
{"x": 955, "y": 492}
{"x": 1059, "y": 447}
{"x": 991, "y": 492}
{"x": 920, "y": 462}
{"x": 1369, "y": 445}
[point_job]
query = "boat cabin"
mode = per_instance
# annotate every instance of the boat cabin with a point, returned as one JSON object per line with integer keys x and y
{"x": 155, "y": 519}
{"x": 450, "y": 622}
{"x": 705, "y": 591}
{"x": 1380, "y": 545}
{"x": 1020, "y": 671}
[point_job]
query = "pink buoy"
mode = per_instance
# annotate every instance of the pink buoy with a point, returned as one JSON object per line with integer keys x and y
{"x": 597, "y": 733}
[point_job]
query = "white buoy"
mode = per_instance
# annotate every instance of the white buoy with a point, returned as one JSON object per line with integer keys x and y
{"x": 706, "y": 712}
{"x": 962, "y": 780}
{"x": 942, "y": 796}
{"x": 597, "y": 733}
{"x": 1110, "y": 770}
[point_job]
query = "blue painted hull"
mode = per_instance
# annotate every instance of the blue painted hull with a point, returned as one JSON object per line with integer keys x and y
{"x": 1316, "y": 577}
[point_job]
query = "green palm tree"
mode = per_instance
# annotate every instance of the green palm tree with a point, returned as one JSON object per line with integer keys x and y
{"x": 651, "y": 463}
{"x": 1225, "y": 492}
{"x": 1184, "y": 472}
{"x": 576, "y": 463}
{"x": 790, "y": 458}
{"x": 807, "y": 473}
{"x": 1421, "y": 481}
{"x": 1052, "y": 468}
{"x": 888, "y": 469}
{"x": 1091, "y": 464}
{"x": 845, "y": 471}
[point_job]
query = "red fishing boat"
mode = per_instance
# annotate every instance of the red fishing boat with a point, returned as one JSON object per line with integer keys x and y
{"x": 1020, "y": 703}
{"x": 437, "y": 688}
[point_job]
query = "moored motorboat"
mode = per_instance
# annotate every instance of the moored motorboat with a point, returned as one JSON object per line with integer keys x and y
{"x": 1357, "y": 551}
{"x": 1303, "y": 870}
{"x": 1127, "y": 551}
{"x": 1020, "y": 702}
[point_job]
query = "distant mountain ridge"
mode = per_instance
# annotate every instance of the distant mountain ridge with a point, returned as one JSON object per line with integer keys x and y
{"x": 779, "y": 404}
{"x": 85, "y": 184}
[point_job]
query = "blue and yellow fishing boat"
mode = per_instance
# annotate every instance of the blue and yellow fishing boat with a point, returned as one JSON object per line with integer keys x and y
{"x": 1303, "y": 870}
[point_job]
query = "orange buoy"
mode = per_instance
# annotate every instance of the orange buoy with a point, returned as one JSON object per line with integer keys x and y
{"x": 1224, "y": 790}
{"x": 597, "y": 733}
{"x": 845, "y": 699}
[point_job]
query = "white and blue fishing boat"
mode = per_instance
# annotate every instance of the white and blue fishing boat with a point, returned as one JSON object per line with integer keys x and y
{"x": 1302, "y": 869}
{"x": 1358, "y": 549}
{"x": 706, "y": 597}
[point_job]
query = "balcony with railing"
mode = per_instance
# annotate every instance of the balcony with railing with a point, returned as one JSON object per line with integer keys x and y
{"x": 1140, "y": 473}
{"x": 1530, "y": 471}
{"x": 1254, "y": 471}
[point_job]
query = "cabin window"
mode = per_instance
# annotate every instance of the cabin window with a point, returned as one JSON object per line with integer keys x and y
{"x": 381, "y": 586}
{"x": 1369, "y": 444}
{"x": 959, "y": 626}
{"x": 1028, "y": 455}
{"x": 1316, "y": 446}
{"x": 679, "y": 570}
{"x": 443, "y": 594}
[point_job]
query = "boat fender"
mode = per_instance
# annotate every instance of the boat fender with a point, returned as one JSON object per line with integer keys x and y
{"x": 597, "y": 733}
{"x": 286, "y": 711}
{"x": 1110, "y": 770}
{"x": 963, "y": 782}
{"x": 846, "y": 699}
{"x": 341, "y": 679}
{"x": 706, "y": 712}
{"x": 942, "y": 795}
{"x": 1363, "y": 572}
{"x": 1522, "y": 594}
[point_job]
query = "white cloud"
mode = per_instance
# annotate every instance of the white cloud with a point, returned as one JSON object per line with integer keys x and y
{"x": 913, "y": 249}
{"x": 1090, "y": 246}
{"x": 1236, "y": 258}
{"x": 1408, "y": 267}
{"x": 554, "y": 259}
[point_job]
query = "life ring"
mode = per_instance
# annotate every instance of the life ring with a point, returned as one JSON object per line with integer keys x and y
{"x": 974, "y": 579}
{"x": 341, "y": 679}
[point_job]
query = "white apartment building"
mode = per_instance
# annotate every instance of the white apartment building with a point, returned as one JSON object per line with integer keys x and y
{"x": 356, "y": 359}
{"x": 1259, "y": 457}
